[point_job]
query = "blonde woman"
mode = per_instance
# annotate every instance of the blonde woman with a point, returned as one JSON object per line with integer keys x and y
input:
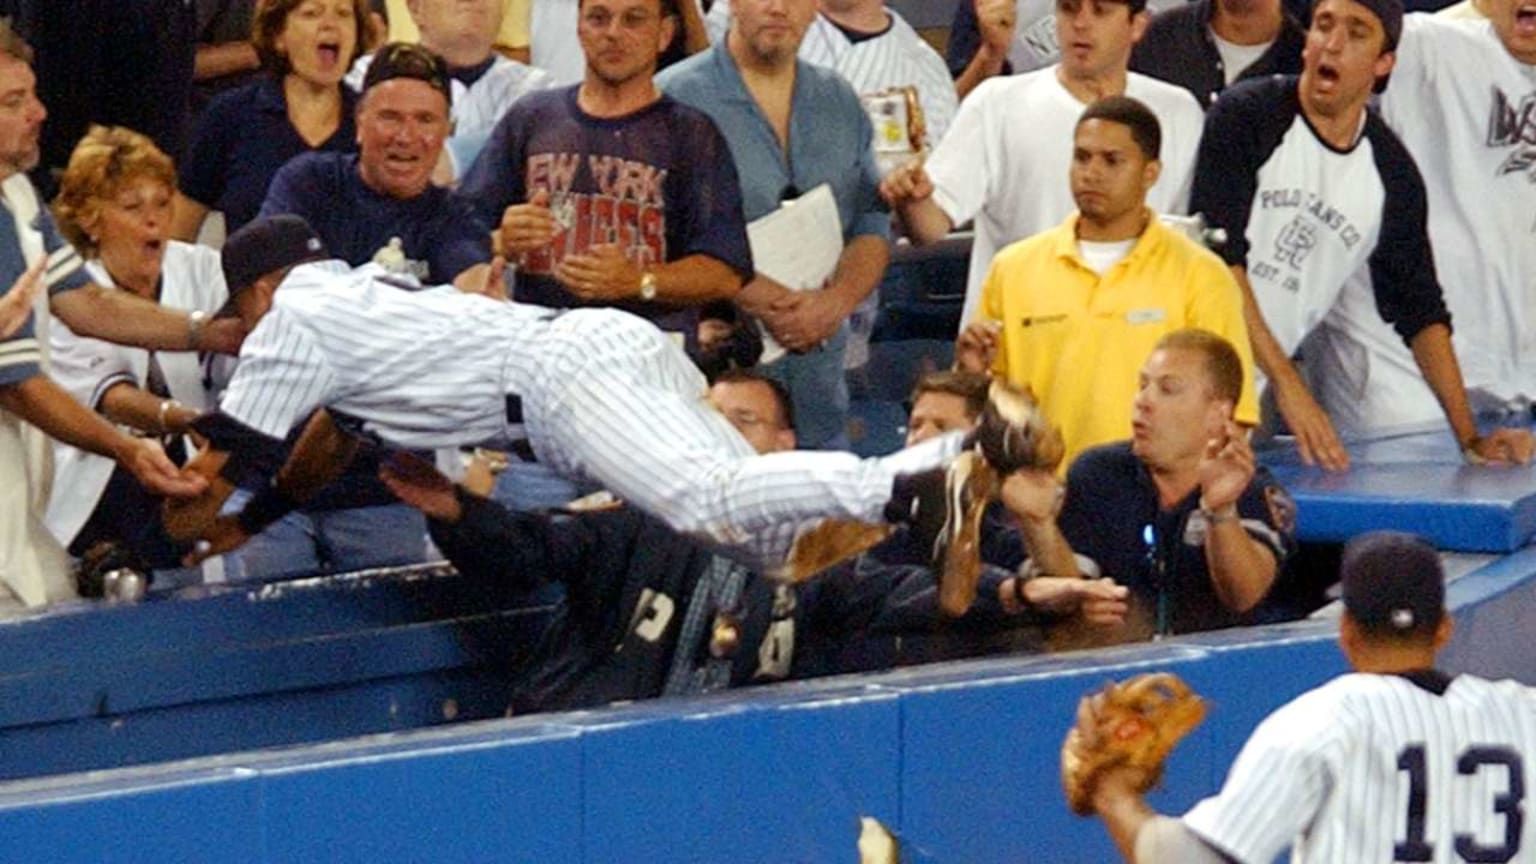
{"x": 114, "y": 205}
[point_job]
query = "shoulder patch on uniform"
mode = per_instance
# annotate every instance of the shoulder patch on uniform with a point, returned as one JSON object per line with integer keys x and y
{"x": 1282, "y": 508}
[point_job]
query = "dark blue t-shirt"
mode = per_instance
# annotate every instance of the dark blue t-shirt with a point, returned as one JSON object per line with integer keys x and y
{"x": 438, "y": 232}
{"x": 660, "y": 183}
{"x": 241, "y": 141}
{"x": 1111, "y": 515}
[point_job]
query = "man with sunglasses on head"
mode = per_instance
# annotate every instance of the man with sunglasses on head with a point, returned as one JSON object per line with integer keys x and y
{"x": 379, "y": 204}
{"x": 376, "y": 205}
{"x": 793, "y": 127}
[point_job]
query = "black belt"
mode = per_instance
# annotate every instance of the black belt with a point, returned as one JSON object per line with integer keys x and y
{"x": 519, "y": 447}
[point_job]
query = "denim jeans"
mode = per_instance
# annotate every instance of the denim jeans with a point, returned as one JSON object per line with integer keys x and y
{"x": 818, "y": 387}
{"x": 304, "y": 543}
{"x": 536, "y": 486}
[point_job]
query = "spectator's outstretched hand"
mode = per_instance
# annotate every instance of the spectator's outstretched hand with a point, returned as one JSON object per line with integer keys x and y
{"x": 976, "y": 349}
{"x": 1507, "y": 446}
{"x": 146, "y": 461}
{"x": 1099, "y": 602}
{"x": 910, "y": 182}
{"x": 1226, "y": 468}
{"x": 602, "y": 273}
{"x": 221, "y": 336}
{"x": 995, "y": 19}
{"x": 803, "y": 320}
{"x": 526, "y": 227}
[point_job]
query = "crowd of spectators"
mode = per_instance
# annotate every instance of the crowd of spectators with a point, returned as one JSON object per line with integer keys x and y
{"x": 1368, "y": 172}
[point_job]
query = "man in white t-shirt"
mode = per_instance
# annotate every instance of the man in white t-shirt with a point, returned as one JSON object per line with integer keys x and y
{"x": 1325, "y": 215}
{"x": 1463, "y": 100}
{"x": 1005, "y": 160}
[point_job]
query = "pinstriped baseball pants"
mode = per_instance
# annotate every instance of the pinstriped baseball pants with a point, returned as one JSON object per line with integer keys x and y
{"x": 618, "y": 402}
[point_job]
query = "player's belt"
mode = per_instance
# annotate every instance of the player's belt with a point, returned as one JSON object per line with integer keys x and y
{"x": 519, "y": 446}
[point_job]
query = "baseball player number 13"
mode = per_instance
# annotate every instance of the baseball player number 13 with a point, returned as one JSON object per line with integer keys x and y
{"x": 1473, "y": 760}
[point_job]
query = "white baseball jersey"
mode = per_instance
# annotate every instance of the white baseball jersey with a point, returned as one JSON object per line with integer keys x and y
{"x": 604, "y": 395}
{"x": 899, "y": 57}
{"x": 191, "y": 278}
{"x": 1007, "y": 158}
{"x": 1383, "y": 768}
{"x": 1466, "y": 110}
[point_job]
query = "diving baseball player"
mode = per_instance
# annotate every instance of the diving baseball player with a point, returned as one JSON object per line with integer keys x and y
{"x": 1395, "y": 762}
{"x": 598, "y": 393}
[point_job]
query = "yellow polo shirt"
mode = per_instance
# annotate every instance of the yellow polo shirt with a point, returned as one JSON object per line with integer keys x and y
{"x": 1079, "y": 340}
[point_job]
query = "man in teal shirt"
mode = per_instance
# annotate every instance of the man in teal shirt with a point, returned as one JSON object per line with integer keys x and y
{"x": 791, "y": 127}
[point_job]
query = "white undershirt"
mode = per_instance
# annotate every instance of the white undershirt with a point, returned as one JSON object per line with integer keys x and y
{"x": 1100, "y": 256}
{"x": 1235, "y": 58}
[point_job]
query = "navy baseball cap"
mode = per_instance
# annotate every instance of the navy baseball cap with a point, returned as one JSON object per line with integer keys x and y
{"x": 407, "y": 60}
{"x": 1389, "y": 13}
{"x": 1393, "y": 581}
{"x": 265, "y": 245}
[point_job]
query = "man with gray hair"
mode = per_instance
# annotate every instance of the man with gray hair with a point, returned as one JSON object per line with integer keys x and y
{"x": 33, "y": 569}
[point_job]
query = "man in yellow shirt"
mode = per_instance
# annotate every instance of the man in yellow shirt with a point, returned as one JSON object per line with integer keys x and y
{"x": 1073, "y": 312}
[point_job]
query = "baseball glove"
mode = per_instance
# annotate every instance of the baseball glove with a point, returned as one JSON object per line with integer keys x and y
{"x": 1134, "y": 724}
{"x": 1013, "y": 432}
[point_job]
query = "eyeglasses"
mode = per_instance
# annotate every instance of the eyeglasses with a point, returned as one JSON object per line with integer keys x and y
{"x": 632, "y": 19}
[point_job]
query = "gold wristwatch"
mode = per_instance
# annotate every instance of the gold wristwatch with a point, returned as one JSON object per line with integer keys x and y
{"x": 647, "y": 285}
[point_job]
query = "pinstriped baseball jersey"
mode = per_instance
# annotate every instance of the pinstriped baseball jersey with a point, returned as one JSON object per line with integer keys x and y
{"x": 896, "y": 58}
{"x": 1383, "y": 768}
{"x": 421, "y": 371}
{"x": 606, "y": 395}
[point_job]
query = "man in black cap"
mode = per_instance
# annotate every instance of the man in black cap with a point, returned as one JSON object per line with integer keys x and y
{"x": 379, "y": 204}
{"x": 1325, "y": 214}
{"x": 351, "y": 522}
{"x": 1395, "y": 762}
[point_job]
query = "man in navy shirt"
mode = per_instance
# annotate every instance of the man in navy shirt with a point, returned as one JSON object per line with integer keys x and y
{"x": 379, "y": 204}
{"x": 32, "y": 565}
{"x": 1181, "y": 514}
{"x": 609, "y": 193}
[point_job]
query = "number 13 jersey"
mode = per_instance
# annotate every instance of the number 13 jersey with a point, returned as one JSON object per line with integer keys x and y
{"x": 1382, "y": 768}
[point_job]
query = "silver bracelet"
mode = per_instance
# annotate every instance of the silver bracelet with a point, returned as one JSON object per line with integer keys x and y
{"x": 195, "y": 321}
{"x": 165, "y": 409}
